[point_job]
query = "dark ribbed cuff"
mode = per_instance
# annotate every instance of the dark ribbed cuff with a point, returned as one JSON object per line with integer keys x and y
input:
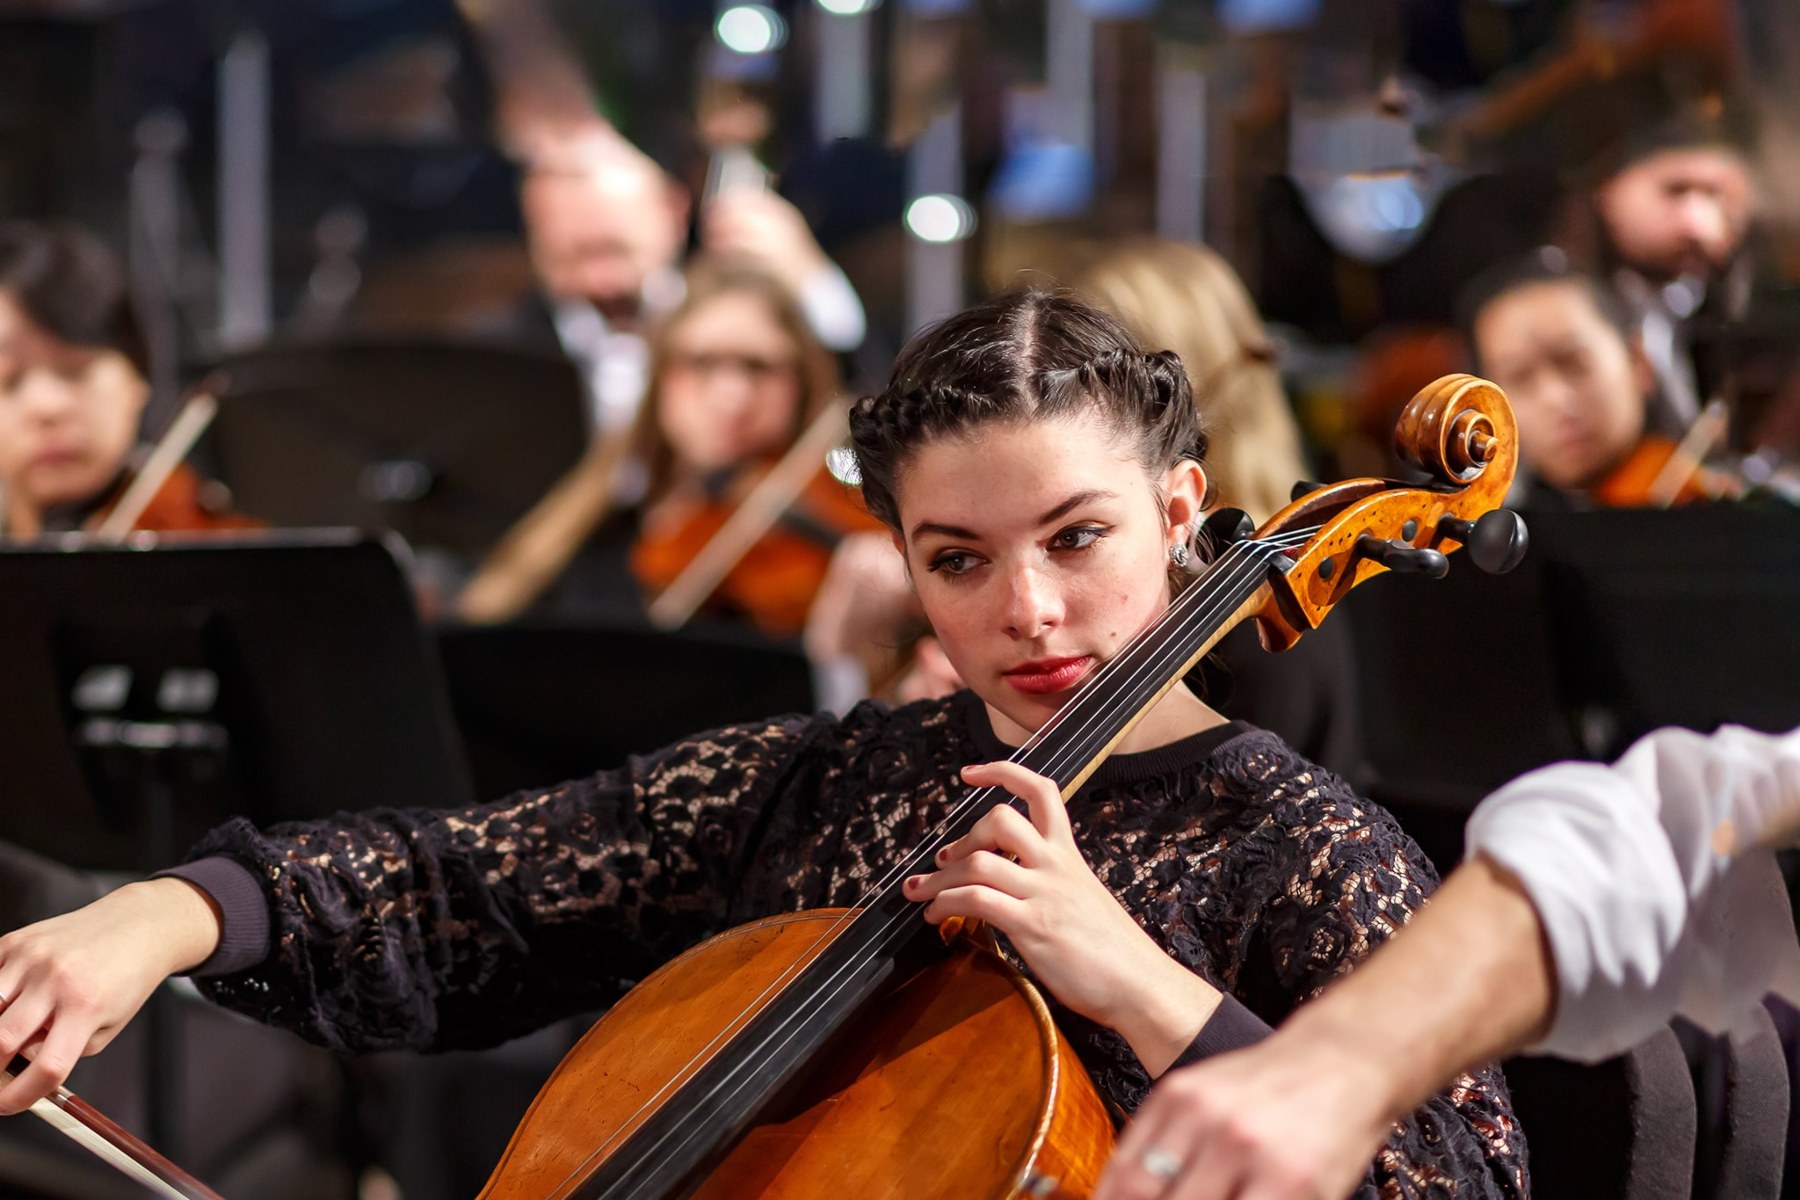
{"x": 243, "y": 912}
{"x": 1231, "y": 1027}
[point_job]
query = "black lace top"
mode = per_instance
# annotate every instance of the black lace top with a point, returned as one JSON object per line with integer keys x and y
{"x": 429, "y": 930}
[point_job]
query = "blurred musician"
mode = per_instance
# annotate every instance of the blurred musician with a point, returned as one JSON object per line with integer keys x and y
{"x": 1568, "y": 355}
{"x": 607, "y": 228}
{"x": 72, "y": 392}
{"x": 735, "y": 376}
{"x": 1672, "y": 218}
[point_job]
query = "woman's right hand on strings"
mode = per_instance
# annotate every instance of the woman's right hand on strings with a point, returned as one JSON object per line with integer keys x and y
{"x": 69, "y": 984}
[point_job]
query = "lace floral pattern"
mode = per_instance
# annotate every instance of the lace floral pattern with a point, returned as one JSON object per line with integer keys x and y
{"x": 1251, "y": 866}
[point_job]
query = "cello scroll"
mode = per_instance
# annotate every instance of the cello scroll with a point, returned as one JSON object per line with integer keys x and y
{"x": 1460, "y": 431}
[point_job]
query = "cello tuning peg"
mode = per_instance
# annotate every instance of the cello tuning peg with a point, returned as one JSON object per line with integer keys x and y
{"x": 1225, "y": 526}
{"x": 1304, "y": 487}
{"x": 1399, "y": 556}
{"x": 1496, "y": 541}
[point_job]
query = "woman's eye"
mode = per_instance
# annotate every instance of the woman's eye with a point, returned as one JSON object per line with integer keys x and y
{"x": 952, "y": 562}
{"x": 1078, "y": 537}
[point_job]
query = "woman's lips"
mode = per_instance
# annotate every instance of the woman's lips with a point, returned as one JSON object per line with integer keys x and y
{"x": 56, "y": 456}
{"x": 1048, "y": 675}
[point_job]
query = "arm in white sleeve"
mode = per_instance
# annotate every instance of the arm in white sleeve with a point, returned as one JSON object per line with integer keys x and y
{"x": 1653, "y": 881}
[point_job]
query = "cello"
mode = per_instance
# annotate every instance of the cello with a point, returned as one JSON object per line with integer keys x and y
{"x": 821, "y": 1053}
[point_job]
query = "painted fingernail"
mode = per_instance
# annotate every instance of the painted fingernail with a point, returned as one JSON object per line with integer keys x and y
{"x": 943, "y": 853}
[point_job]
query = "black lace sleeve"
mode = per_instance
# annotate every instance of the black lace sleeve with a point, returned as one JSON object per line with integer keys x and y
{"x": 1358, "y": 878}
{"x": 430, "y": 930}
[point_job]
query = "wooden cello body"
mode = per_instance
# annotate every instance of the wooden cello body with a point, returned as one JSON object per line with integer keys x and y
{"x": 1013, "y": 1112}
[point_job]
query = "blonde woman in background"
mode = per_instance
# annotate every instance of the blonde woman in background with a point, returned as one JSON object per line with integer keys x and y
{"x": 1186, "y": 298}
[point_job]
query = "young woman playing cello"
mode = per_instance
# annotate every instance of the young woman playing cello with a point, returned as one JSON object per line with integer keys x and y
{"x": 1040, "y": 474}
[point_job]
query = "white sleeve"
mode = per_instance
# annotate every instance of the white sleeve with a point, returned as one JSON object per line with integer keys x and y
{"x": 1654, "y": 882}
{"x": 833, "y": 308}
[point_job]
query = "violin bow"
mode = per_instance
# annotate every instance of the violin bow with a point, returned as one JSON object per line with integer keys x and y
{"x": 92, "y": 1130}
{"x": 760, "y": 509}
{"x": 541, "y": 543}
{"x": 1705, "y": 435}
{"x": 192, "y": 421}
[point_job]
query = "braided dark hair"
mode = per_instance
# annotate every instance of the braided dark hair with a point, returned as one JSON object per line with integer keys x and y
{"x": 1026, "y": 355}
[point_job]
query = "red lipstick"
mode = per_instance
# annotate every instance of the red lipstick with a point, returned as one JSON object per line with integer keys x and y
{"x": 1048, "y": 675}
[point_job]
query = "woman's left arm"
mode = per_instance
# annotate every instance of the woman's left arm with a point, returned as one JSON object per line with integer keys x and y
{"x": 1023, "y": 874}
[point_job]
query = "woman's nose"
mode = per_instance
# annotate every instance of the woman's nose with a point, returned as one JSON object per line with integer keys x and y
{"x": 44, "y": 396}
{"x": 1703, "y": 222}
{"x": 730, "y": 392}
{"x": 1034, "y": 604}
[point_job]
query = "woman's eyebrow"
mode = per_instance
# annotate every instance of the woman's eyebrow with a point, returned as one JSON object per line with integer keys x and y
{"x": 949, "y": 531}
{"x": 1086, "y": 496}
{"x": 1074, "y": 502}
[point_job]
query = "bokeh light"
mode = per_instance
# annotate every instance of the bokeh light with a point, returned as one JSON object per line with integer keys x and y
{"x": 750, "y": 29}
{"x": 940, "y": 218}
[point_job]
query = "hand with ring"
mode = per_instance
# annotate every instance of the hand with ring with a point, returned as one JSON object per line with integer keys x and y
{"x": 1160, "y": 1163}
{"x": 1286, "y": 1119}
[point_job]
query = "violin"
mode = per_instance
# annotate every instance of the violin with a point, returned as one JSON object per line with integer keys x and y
{"x": 760, "y": 543}
{"x": 774, "y": 580}
{"x": 763, "y": 534}
{"x": 166, "y": 495}
{"x": 182, "y": 505}
{"x": 1660, "y": 471}
{"x": 1654, "y": 475}
{"x": 820, "y": 1053}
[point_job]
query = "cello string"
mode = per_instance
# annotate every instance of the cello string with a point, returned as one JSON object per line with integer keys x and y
{"x": 895, "y": 930}
{"x": 1171, "y": 628}
{"x": 1196, "y": 596}
{"x": 899, "y": 922}
{"x": 1175, "y": 622}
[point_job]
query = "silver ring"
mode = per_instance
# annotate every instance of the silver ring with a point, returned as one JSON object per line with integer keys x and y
{"x": 1160, "y": 1163}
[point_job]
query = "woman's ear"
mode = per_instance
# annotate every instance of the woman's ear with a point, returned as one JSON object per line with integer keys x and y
{"x": 1184, "y": 493}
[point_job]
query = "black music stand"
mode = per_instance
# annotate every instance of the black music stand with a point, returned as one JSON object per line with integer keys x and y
{"x": 445, "y": 443}
{"x": 152, "y": 694}
{"x": 155, "y": 689}
{"x": 1677, "y": 617}
{"x": 540, "y": 702}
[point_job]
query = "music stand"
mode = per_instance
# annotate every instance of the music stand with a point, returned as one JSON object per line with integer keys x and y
{"x": 541, "y": 702}
{"x": 152, "y": 695}
{"x": 157, "y": 688}
{"x": 445, "y": 443}
{"x": 1678, "y": 617}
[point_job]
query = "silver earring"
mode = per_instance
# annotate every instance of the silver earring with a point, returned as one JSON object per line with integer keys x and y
{"x": 1178, "y": 553}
